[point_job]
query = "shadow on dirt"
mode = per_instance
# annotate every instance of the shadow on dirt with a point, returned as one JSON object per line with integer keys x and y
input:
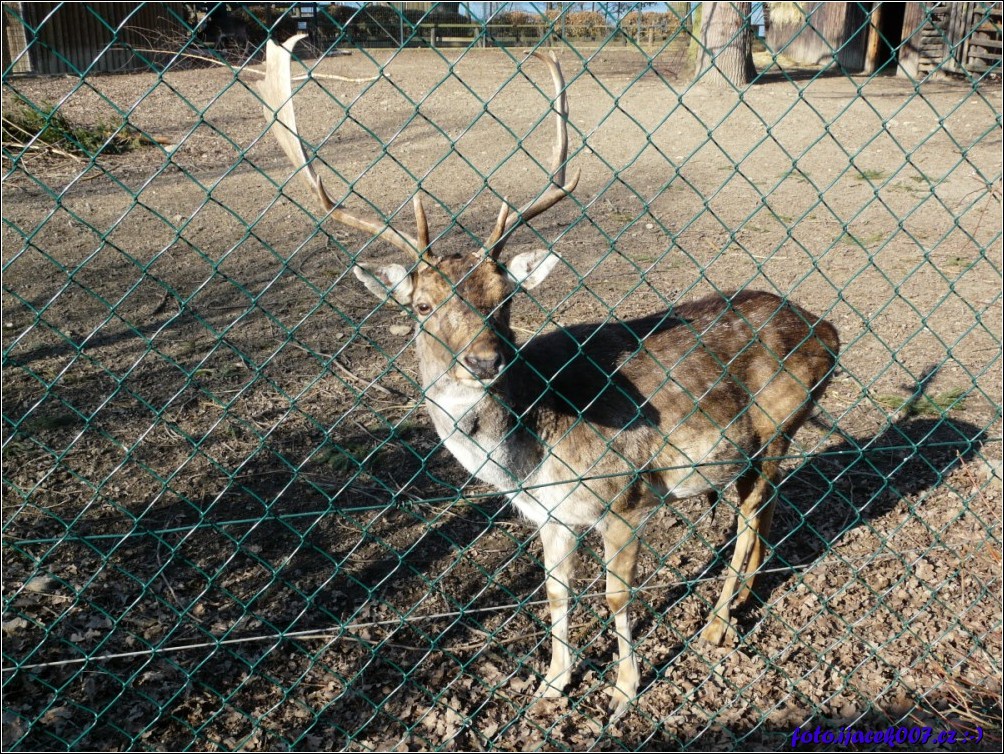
{"x": 849, "y": 484}
{"x": 910, "y": 457}
{"x": 319, "y": 571}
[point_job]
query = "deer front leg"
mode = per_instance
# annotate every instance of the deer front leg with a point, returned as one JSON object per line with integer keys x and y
{"x": 559, "y": 544}
{"x": 620, "y": 544}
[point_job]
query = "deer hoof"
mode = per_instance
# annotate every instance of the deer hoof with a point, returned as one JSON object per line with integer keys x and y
{"x": 549, "y": 689}
{"x": 719, "y": 631}
{"x": 619, "y": 704}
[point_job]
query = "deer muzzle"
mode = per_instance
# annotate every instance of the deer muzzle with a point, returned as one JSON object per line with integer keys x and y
{"x": 485, "y": 365}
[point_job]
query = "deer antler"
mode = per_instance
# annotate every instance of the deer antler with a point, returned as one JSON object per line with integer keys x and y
{"x": 507, "y": 222}
{"x": 276, "y": 91}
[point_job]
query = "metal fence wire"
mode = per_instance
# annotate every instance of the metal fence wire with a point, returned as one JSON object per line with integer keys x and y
{"x": 228, "y": 521}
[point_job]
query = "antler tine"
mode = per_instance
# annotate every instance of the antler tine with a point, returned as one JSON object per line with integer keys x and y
{"x": 276, "y": 91}
{"x": 500, "y": 224}
{"x": 558, "y": 189}
{"x": 421, "y": 224}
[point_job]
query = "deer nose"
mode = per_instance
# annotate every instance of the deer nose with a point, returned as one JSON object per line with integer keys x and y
{"x": 484, "y": 366}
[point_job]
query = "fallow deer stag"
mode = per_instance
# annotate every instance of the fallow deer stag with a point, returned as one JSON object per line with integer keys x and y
{"x": 595, "y": 425}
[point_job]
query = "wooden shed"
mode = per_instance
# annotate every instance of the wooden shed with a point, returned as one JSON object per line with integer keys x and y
{"x": 918, "y": 38}
{"x": 79, "y": 38}
{"x": 820, "y": 33}
{"x": 950, "y": 37}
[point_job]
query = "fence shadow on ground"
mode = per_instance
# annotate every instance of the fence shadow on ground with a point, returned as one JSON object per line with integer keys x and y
{"x": 910, "y": 457}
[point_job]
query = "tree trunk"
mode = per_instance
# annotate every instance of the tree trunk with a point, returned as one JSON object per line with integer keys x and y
{"x": 725, "y": 57}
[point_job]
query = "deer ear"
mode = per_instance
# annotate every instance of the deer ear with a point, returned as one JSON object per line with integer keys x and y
{"x": 391, "y": 279}
{"x": 529, "y": 269}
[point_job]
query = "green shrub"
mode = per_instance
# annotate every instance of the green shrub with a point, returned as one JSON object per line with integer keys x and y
{"x": 29, "y": 125}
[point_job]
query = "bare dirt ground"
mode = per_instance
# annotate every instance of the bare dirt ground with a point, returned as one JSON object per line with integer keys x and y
{"x": 213, "y": 439}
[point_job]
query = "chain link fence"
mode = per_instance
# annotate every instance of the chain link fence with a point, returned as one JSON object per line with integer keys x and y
{"x": 228, "y": 522}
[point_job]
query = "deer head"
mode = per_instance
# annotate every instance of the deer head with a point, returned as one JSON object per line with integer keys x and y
{"x": 460, "y": 301}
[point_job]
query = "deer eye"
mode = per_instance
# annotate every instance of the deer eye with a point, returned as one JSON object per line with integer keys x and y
{"x": 423, "y": 309}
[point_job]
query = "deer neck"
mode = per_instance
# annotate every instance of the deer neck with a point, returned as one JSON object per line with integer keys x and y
{"x": 466, "y": 406}
{"x": 479, "y": 424}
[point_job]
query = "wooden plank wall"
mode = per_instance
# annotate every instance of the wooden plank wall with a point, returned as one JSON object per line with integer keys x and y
{"x": 81, "y": 38}
{"x": 15, "y": 43}
{"x": 962, "y": 38}
{"x": 982, "y": 47}
{"x": 925, "y": 40}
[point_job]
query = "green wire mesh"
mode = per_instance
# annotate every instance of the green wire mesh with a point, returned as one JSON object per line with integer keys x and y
{"x": 228, "y": 523}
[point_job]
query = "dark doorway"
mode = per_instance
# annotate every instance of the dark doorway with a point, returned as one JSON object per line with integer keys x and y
{"x": 890, "y": 36}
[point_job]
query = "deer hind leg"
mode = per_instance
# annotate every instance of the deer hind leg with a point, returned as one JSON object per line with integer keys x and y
{"x": 559, "y": 545}
{"x": 620, "y": 544}
{"x": 759, "y": 551}
{"x": 756, "y": 512}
